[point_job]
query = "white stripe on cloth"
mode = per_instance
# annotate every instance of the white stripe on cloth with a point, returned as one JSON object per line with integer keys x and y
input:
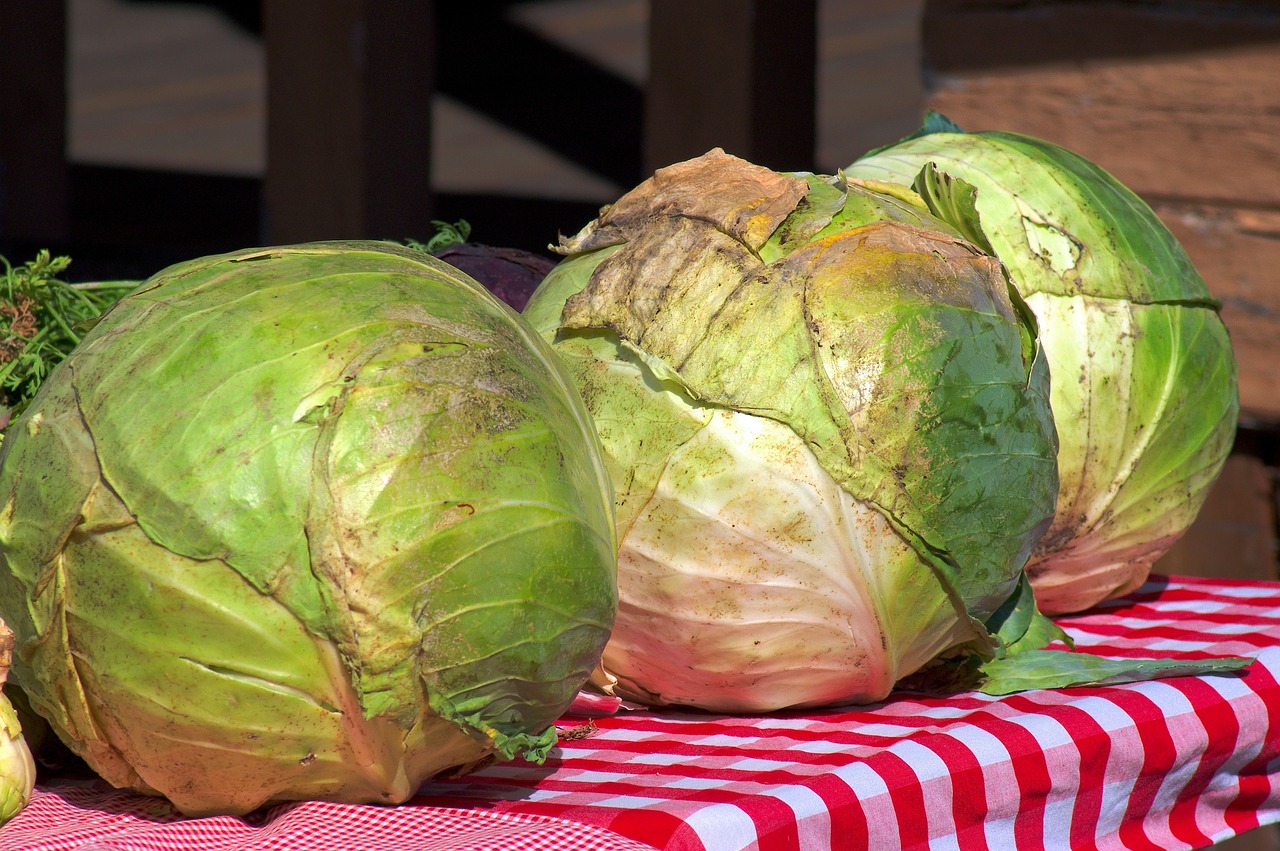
{"x": 724, "y": 827}
{"x": 873, "y": 796}
{"x": 934, "y": 777}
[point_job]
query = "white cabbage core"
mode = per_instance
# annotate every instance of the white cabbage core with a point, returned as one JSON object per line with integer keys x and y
{"x": 750, "y": 581}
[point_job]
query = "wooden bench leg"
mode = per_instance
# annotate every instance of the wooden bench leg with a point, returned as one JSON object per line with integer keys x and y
{"x": 348, "y": 119}
{"x": 735, "y": 74}
{"x": 33, "y": 122}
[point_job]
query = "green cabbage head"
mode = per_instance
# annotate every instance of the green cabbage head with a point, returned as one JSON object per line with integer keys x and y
{"x": 1143, "y": 376}
{"x": 17, "y": 767}
{"x": 317, "y": 521}
{"x": 826, "y": 417}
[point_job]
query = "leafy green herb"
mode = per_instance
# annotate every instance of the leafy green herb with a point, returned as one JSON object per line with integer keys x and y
{"x": 42, "y": 318}
{"x": 446, "y": 235}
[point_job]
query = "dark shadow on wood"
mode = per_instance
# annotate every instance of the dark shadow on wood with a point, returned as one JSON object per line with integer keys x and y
{"x": 585, "y": 113}
{"x": 130, "y": 223}
{"x": 245, "y": 14}
{"x": 975, "y": 34}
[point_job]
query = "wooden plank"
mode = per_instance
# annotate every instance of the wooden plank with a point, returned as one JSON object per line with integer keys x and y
{"x": 1234, "y": 536}
{"x": 349, "y": 87}
{"x": 34, "y": 186}
{"x": 870, "y": 89}
{"x": 735, "y": 74}
{"x": 550, "y": 93}
{"x": 972, "y": 34}
{"x": 176, "y": 87}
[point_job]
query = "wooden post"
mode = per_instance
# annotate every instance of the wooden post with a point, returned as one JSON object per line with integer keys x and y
{"x": 349, "y": 86}
{"x": 34, "y": 184}
{"x": 735, "y": 74}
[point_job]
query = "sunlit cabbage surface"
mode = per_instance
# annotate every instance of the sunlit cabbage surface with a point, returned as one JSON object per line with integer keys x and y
{"x": 1143, "y": 377}
{"x": 316, "y": 521}
{"x": 827, "y": 422}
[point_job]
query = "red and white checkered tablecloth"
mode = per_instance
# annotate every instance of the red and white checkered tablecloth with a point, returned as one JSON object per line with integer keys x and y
{"x": 1176, "y": 763}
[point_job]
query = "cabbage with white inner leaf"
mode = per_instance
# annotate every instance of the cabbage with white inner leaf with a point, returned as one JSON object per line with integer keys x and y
{"x": 827, "y": 424}
{"x": 1144, "y": 379}
{"x": 826, "y": 417}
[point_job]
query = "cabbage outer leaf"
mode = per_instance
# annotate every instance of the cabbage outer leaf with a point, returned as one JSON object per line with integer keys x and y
{"x": 1032, "y": 669}
{"x": 1144, "y": 381}
{"x": 750, "y": 564}
{"x": 316, "y": 521}
{"x": 17, "y": 768}
{"x": 890, "y": 356}
{"x": 1140, "y": 457}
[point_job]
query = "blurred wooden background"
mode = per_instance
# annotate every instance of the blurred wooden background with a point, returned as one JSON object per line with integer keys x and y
{"x": 135, "y": 133}
{"x": 522, "y": 116}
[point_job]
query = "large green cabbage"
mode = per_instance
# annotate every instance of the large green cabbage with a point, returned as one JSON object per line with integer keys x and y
{"x": 827, "y": 421}
{"x": 826, "y": 416}
{"x": 1143, "y": 377}
{"x": 316, "y": 521}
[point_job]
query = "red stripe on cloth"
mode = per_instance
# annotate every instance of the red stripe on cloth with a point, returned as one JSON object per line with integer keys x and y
{"x": 1159, "y": 754}
{"x": 1181, "y": 592}
{"x": 1230, "y": 622}
{"x": 1256, "y": 785}
{"x": 1214, "y": 582}
{"x": 848, "y": 820}
{"x": 1157, "y": 585}
{"x": 1030, "y": 767}
{"x": 968, "y": 789}
{"x": 1221, "y": 729}
{"x": 908, "y": 799}
{"x": 1134, "y": 640}
{"x": 1092, "y": 752}
{"x": 776, "y": 827}
{"x": 657, "y": 828}
{"x": 73, "y": 816}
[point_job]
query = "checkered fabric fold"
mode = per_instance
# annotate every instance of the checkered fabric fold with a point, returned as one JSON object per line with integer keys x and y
{"x": 1174, "y": 763}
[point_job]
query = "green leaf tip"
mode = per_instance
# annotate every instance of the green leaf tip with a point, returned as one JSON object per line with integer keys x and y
{"x": 1032, "y": 669}
{"x": 936, "y": 122}
{"x": 446, "y": 236}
